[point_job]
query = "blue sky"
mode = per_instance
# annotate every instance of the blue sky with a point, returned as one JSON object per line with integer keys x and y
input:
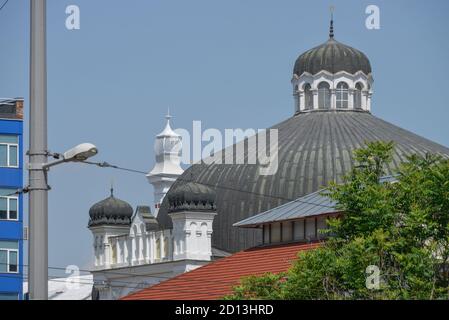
{"x": 226, "y": 63}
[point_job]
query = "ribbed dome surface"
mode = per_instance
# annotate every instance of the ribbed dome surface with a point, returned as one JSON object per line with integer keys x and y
{"x": 332, "y": 56}
{"x": 314, "y": 148}
{"x": 110, "y": 211}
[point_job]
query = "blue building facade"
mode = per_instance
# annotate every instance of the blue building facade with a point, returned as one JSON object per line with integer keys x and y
{"x": 11, "y": 202}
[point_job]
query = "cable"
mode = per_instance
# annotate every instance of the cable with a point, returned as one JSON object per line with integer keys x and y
{"x": 108, "y": 165}
{"x": 136, "y": 286}
{"x": 4, "y": 4}
{"x": 108, "y": 271}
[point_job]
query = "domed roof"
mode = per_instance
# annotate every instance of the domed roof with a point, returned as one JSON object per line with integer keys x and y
{"x": 314, "y": 149}
{"x": 110, "y": 211}
{"x": 332, "y": 56}
{"x": 191, "y": 197}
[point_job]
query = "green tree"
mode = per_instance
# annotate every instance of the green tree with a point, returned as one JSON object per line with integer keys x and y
{"x": 401, "y": 227}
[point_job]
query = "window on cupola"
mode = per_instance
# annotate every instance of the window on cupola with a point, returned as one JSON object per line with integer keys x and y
{"x": 296, "y": 93}
{"x": 308, "y": 97}
{"x": 358, "y": 96}
{"x": 342, "y": 95}
{"x": 324, "y": 96}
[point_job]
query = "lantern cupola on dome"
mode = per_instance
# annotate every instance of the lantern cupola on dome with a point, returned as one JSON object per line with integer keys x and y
{"x": 332, "y": 76}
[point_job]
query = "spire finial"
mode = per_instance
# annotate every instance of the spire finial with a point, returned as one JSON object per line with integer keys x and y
{"x": 168, "y": 116}
{"x": 331, "y": 29}
{"x": 112, "y": 187}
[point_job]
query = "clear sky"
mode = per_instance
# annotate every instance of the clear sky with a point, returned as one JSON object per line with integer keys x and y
{"x": 226, "y": 63}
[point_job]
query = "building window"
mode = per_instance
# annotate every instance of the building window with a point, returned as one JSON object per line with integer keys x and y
{"x": 287, "y": 231}
{"x": 9, "y": 151}
{"x": 321, "y": 225}
{"x": 358, "y": 96}
{"x": 298, "y": 230}
{"x": 308, "y": 97}
{"x": 8, "y": 296}
{"x": 9, "y": 256}
{"x": 310, "y": 229}
{"x": 266, "y": 233}
{"x": 324, "y": 96}
{"x": 342, "y": 95}
{"x": 275, "y": 232}
{"x": 9, "y": 205}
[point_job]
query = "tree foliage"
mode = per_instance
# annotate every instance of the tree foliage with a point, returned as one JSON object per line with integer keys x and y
{"x": 401, "y": 227}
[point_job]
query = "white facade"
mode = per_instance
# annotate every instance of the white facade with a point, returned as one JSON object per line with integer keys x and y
{"x": 141, "y": 258}
{"x": 167, "y": 169}
{"x": 128, "y": 257}
{"x": 343, "y": 91}
{"x": 190, "y": 238}
{"x": 192, "y": 232}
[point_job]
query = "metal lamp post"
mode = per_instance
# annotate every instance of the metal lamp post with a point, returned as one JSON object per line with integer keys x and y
{"x": 38, "y": 156}
{"x": 38, "y": 189}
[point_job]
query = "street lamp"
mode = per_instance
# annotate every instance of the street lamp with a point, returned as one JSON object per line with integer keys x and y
{"x": 80, "y": 153}
{"x": 38, "y": 211}
{"x": 38, "y": 153}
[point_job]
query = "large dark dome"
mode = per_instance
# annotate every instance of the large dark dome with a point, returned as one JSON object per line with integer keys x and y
{"x": 314, "y": 148}
{"x": 110, "y": 211}
{"x": 332, "y": 56}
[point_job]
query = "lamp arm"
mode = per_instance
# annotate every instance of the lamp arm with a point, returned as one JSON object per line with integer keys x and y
{"x": 48, "y": 165}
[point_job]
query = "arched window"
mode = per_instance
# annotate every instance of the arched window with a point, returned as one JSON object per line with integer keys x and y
{"x": 308, "y": 97}
{"x": 324, "y": 96}
{"x": 166, "y": 247}
{"x": 158, "y": 249}
{"x": 358, "y": 96}
{"x": 136, "y": 243}
{"x": 342, "y": 95}
{"x": 296, "y": 93}
{"x": 114, "y": 253}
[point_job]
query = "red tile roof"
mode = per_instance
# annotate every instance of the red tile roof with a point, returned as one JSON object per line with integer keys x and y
{"x": 216, "y": 279}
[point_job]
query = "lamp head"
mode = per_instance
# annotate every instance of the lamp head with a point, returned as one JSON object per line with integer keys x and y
{"x": 81, "y": 152}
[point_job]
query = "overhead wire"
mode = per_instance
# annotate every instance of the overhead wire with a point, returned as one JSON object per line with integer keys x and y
{"x": 108, "y": 165}
{"x": 4, "y": 4}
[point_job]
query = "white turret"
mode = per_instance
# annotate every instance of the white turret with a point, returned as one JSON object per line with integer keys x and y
{"x": 167, "y": 169}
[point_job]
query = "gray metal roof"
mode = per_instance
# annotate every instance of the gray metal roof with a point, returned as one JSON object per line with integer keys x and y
{"x": 314, "y": 149}
{"x": 314, "y": 204}
{"x": 332, "y": 56}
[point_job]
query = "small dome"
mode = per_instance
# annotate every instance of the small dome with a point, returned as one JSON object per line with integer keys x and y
{"x": 191, "y": 197}
{"x": 332, "y": 56}
{"x": 110, "y": 211}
